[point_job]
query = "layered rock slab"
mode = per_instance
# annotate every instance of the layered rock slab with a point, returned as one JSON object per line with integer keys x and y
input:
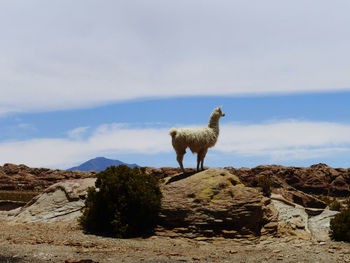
{"x": 60, "y": 202}
{"x": 214, "y": 202}
{"x": 308, "y": 223}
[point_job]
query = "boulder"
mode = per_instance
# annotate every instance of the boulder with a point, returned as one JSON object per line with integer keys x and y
{"x": 60, "y": 202}
{"x": 320, "y": 224}
{"x": 308, "y": 223}
{"x": 214, "y": 202}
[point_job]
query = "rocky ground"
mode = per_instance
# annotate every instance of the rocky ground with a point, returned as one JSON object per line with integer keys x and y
{"x": 219, "y": 215}
{"x": 65, "y": 242}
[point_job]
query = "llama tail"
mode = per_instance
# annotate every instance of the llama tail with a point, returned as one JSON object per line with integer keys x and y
{"x": 173, "y": 132}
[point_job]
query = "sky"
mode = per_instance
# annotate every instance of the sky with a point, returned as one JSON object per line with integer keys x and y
{"x": 87, "y": 78}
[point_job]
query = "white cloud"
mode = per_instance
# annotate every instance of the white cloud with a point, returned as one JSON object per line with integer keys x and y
{"x": 77, "y": 133}
{"x": 286, "y": 140}
{"x": 73, "y": 54}
{"x": 293, "y": 140}
{"x": 64, "y": 152}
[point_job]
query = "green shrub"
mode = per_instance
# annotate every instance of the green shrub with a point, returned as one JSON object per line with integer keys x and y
{"x": 265, "y": 183}
{"x": 125, "y": 202}
{"x": 340, "y": 226}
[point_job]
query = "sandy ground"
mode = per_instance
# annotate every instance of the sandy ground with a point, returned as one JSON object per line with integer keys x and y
{"x": 59, "y": 242}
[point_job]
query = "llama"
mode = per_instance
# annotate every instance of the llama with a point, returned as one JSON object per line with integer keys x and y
{"x": 197, "y": 139}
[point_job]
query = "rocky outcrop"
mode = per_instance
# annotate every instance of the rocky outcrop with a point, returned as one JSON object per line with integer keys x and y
{"x": 300, "y": 184}
{"x": 307, "y": 223}
{"x": 21, "y": 177}
{"x": 60, "y": 202}
{"x": 215, "y": 203}
{"x": 210, "y": 203}
{"x": 295, "y": 181}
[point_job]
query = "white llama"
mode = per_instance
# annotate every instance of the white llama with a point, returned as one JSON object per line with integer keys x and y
{"x": 197, "y": 139}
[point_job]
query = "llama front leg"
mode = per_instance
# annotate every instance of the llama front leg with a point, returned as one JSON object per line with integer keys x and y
{"x": 202, "y": 156}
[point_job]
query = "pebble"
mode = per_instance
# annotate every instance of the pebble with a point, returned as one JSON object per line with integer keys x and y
{"x": 334, "y": 247}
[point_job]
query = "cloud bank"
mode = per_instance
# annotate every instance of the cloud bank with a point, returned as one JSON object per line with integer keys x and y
{"x": 72, "y": 54}
{"x": 280, "y": 141}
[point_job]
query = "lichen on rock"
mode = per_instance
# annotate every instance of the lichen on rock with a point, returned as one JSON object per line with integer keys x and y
{"x": 214, "y": 202}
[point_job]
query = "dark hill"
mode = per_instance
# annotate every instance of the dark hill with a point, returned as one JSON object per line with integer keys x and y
{"x": 99, "y": 164}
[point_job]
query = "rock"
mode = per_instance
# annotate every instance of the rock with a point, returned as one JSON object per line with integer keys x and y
{"x": 21, "y": 177}
{"x": 319, "y": 225}
{"x": 302, "y": 198}
{"x": 292, "y": 214}
{"x": 7, "y": 205}
{"x": 210, "y": 203}
{"x": 164, "y": 172}
{"x": 71, "y": 260}
{"x": 314, "y": 223}
{"x": 311, "y": 180}
{"x": 213, "y": 200}
{"x": 339, "y": 187}
{"x": 60, "y": 202}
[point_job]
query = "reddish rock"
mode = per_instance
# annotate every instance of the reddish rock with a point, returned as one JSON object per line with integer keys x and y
{"x": 214, "y": 203}
{"x": 303, "y": 199}
{"x": 21, "y": 177}
{"x": 316, "y": 179}
{"x": 339, "y": 185}
{"x": 167, "y": 171}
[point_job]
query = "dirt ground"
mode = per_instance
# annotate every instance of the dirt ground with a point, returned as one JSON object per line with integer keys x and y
{"x": 61, "y": 242}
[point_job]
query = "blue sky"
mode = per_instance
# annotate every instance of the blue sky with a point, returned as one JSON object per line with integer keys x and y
{"x": 81, "y": 79}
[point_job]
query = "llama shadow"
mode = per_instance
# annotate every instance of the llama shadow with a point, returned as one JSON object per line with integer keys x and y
{"x": 180, "y": 177}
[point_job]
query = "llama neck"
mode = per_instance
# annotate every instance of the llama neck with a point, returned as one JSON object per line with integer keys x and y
{"x": 214, "y": 123}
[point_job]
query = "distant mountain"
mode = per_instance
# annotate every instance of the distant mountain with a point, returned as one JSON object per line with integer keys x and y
{"x": 99, "y": 164}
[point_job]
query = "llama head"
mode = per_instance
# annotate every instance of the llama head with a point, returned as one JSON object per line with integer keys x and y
{"x": 219, "y": 111}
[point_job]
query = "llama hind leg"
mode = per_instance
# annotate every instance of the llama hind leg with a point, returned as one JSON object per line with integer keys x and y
{"x": 180, "y": 157}
{"x": 198, "y": 160}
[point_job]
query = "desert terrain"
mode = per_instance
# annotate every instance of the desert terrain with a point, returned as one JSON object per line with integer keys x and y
{"x": 200, "y": 221}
